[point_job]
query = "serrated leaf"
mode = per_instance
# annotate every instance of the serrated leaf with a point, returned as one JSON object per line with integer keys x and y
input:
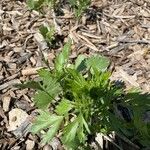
{"x": 80, "y": 63}
{"x": 42, "y": 99}
{"x": 62, "y": 58}
{"x": 50, "y": 84}
{"x": 70, "y": 131}
{"x": 50, "y": 3}
{"x": 99, "y": 62}
{"x": 30, "y": 84}
{"x": 44, "y": 74}
{"x": 75, "y": 131}
{"x": 31, "y": 4}
{"x": 80, "y": 132}
{"x": 53, "y": 130}
{"x": 50, "y": 34}
{"x": 44, "y": 120}
{"x": 47, "y": 33}
{"x": 63, "y": 107}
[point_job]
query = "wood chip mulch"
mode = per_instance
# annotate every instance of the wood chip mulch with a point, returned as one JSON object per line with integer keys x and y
{"x": 114, "y": 28}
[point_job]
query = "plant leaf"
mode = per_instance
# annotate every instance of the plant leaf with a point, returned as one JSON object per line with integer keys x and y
{"x": 35, "y": 4}
{"x": 80, "y": 63}
{"x": 50, "y": 85}
{"x": 99, "y": 62}
{"x": 43, "y": 30}
{"x": 30, "y": 84}
{"x": 70, "y": 131}
{"x": 44, "y": 120}
{"x": 42, "y": 99}
{"x": 62, "y": 58}
{"x": 53, "y": 130}
{"x": 63, "y": 107}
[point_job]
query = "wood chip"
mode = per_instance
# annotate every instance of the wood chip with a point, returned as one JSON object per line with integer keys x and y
{"x": 9, "y": 84}
{"x": 16, "y": 118}
{"x": 30, "y": 71}
{"x": 6, "y": 103}
{"x": 30, "y": 145}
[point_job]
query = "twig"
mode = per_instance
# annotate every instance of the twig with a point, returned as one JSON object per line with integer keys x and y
{"x": 91, "y": 35}
{"x": 134, "y": 41}
{"x": 89, "y": 44}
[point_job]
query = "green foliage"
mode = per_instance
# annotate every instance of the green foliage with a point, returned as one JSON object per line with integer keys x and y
{"x": 64, "y": 107}
{"x": 49, "y": 89}
{"x": 140, "y": 105}
{"x": 47, "y": 120}
{"x": 48, "y": 33}
{"x": 62, "y": 58}
{"x": 35, "y": 4}
{"x": 39, "y": 4}
{"x": 78, "y": 5}
{"x": 98, "y": 62}
{"x": 81, "y": 101}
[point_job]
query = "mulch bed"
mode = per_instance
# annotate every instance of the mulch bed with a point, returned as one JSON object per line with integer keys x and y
{"x": 116, "y": 29}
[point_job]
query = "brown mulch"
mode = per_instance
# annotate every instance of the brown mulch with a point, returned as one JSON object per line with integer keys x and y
{"x": 114, "y": 28}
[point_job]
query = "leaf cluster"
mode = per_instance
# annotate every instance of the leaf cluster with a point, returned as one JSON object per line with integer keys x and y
{"x": 78, "y": 5}
{"x": 39, "y": 4}
{"x": 78, "y": 100}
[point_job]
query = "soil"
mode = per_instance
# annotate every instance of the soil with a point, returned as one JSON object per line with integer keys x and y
{"x": 117, "y": 29}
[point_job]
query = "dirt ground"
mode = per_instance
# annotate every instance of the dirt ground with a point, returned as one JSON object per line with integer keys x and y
{"x": 118, "y": 29}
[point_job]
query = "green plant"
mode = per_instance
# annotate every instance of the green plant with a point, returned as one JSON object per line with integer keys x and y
{"x": 78, "y": 5}
{"x": 73, "y": 99}
{"x": 39, "y": 4}
{"x": 77, "y": 100}
{"x": 140, "y": 126}
{"x": 47, "y": 33}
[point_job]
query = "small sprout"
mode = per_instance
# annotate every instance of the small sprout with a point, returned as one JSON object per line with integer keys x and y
{"x": 48, "y": 33}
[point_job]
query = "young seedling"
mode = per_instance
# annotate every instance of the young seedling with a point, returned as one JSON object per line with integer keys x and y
{"x": 79, "y": 6}
{"x": 48, "y": 33}
{"x": 39, "y": 4}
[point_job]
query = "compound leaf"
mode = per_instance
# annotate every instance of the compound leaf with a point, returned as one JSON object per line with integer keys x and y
{"x": 30, "y": 84}
{"x": 42, "y": 99}
{"x": 53, "y": 130}
{"x": 44, "y": 120}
